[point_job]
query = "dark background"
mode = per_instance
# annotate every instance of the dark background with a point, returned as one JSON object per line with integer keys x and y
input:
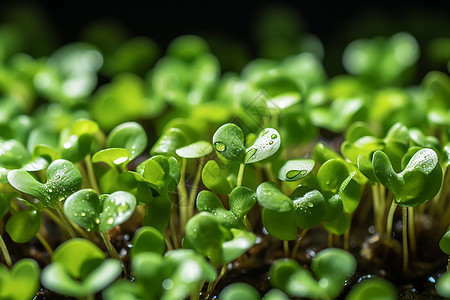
{"x": 336, "y": 23}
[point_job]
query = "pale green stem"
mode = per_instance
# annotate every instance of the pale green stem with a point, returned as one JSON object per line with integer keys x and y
{"x": 183, "y": 196}
{"x": 193, "y": 192}
{"x": 212, "y": 285}
{"x": 90, "y": 297}
{"x": 298, "y": 242}
{"x": 439, "y": 201}
{"x": 405, "y": 238}
{"x": 5, "y": 252}
{"x": 286, "y": 248}
{"x": 45, "y": 244}
{"x": 65, "y": 221}
{"x": 240, "y": 176}
{"x": 91, "y": 174}
{"x": 173, "y": 233}
{"x": 111, "y": 250}
{"x": 168, "y": 242}
{"x": 330, "y": 240}
{"x": 411, "y": 231}
{"x": 196, "y": 293}
{"x": 390, "y": 220}
{"x": 377, "y": 208}
{"x": 347, "y": 239}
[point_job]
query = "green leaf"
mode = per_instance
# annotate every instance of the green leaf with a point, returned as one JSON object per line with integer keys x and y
{"x": 443, "y": 285}
{"x": 266, "y": 145}
{"x": 83, "y": 208}
{"x": 309, "y": 207}
{"x": 24, "y": 225}
{"x": 147, "y": 239}
{"x": 239, "y": 290}
{"x": 339, "y": 225}
{"x": 63, "y": 179}
{"x": 373, "y": 289}
{"x": 13, "y": 154}
{"x": 5, "y": 202}
{"x": 331, "y": 174}
{"x": 241, "y": 241}
{"x": 419, "y": 182}
{"x": 293, "y": 170}
{"x": 280, "y": 225}
{"x": 135, "y": 184}
{"x": 208, "y": 202}
{"x": 333, "y": 206}
{"x": 86, "y": 209}
{"x": 195, "y": 150}
{"x": 21, "y": 282}
{"x": 444, "y": 243}
{"x": 113, "y": 157}
{"x": 271, "y": 197}
{"x": 288, "y": 276}
{"x": 228, "y": 140}
{"x": 275, "y": 294}
{"x": 214, "y": 178}
{"x": 333, "y": 266}
{"x": 26, "y": 183}
{"x": 130, "y": 136}
{"x": 242, "y": 200}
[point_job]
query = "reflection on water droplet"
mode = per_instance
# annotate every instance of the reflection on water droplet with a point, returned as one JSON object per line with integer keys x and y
{"x": 293, "y": 173}
{"x": 109, "y": 221}
{"x": 271, "y": 142}
{"x": 97, "y": 221}
{"x": 310, "y": 204}
{"x": 83, "y": 214}
{"x": 219, "y": 146}
{"x": 267, "y": 193}
{"x": 274, "y": 136}
{"x": 120, "y": 160}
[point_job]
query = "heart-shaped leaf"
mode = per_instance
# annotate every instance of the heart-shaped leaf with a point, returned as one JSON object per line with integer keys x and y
{"x": 148, "y": 239}
{"x": 214, "y": 178}
{"x": 21, "y": 282}
{"x": 280, "y": 225}
{"x": 293, "y": 170}
{"x": 195, "y": 150}
{"x": 309, "y": 207}
{"x": 130, "y": 136}
{"x": 24, "y": 225}
{"x": 79, "y": 269}
{"x": 63, "y": 179}
{"x": 242, "y": 200}
{"x": 417, "y": 183}
{"x": 271, "y": 197}
{"x": 228, "y": 140}
{"x": 339, "y": 225}
{"x": 92, "y": 212}
{"x": 266, "y": 145}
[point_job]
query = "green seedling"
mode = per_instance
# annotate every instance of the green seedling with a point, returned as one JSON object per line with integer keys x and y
{"x": 207, "y": 236}
{"x": 331, "y": 268}
{"x": 24, "y": 225}
{"x": 21, "y": 282}
{"x": 239, "y": 290}
{"x": 419, "y": 181}
{"x": 293, "y": 170}
{"x": 130, "y": 136}
{"x": 197, "y": 150}
{"x": 100, "y": 213}
{"x": 179, "y": 274}
{"x": 63, "y": 179}
{"x": 13, "y": 155}
{"x": 373, "y": 289}
{"x": 228, "y": 140}
{"x": 79, "y": 269}
{"x": 241, "y": 201}
{"x": 437, "y": 88}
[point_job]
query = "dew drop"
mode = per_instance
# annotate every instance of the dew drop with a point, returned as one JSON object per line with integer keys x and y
{"x": 310, "y": 204}
{"x": 83, "y": 214}
{"x": 293, "y": 173}
{"x": 268, "y": 193}
{"x": 109, "y": 221}
{"x": 271, "y": 143}
{"x": 219, "y": 146}
{"x": 273, "y": 136}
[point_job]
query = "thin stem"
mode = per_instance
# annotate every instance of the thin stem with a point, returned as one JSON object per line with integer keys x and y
{"x": 286, "y": 248}
{"x": 168, "y": 242}
{"x": 390, "y": 220}
{"x": 212, "y": 285}
{"x": 298, "y": 242}
{"x": 193, "y": 192}
{"x": 91, "y": 173}
{"x": 347, "y": 239}
{"x": 44, "y": 243}
{"x": 240, "y": 176}
{"x": 5, "y": 252}
{"x": 405, "y": 238}
{"x": 183, "y": 196}
{"x": 448, "y": 265}
{"x": 111, "y": 250}
{"x": 330, "y": 240}
{"x": 411, "y": 231}
{"x": 270, "y": 175}
{"x": 173, "y": 233}
{"x": 65, "y": 221}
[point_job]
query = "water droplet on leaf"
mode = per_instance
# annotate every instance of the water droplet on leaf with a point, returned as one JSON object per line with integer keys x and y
{"x": 219, "y": 146}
